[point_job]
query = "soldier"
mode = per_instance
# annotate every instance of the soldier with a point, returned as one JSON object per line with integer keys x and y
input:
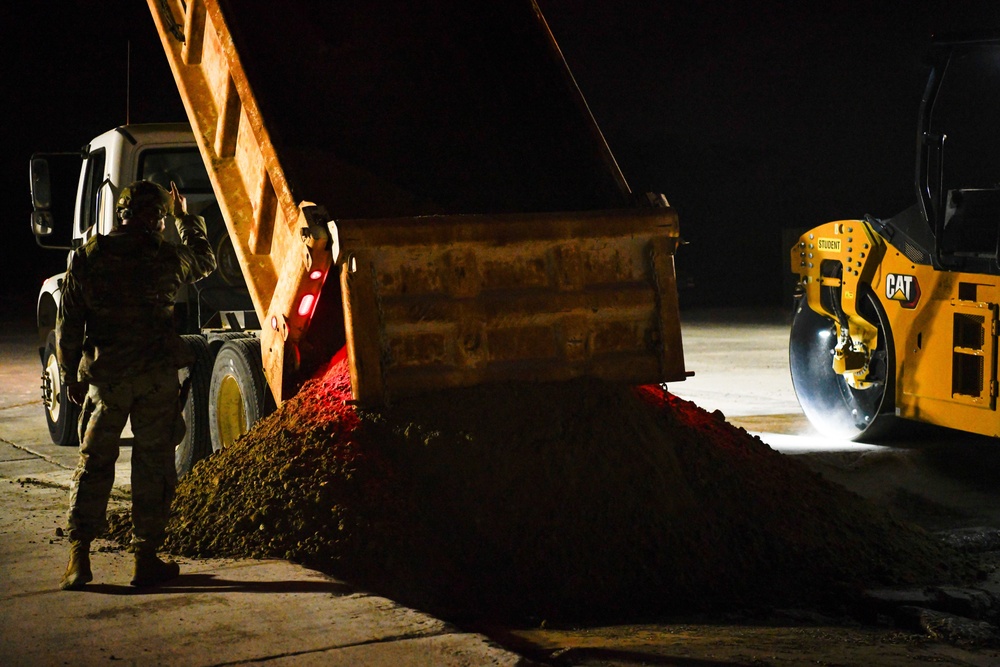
{"x": 118, "y": 357}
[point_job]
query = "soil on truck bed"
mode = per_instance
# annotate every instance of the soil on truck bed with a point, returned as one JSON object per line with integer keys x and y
{"x": 573, "y": 501}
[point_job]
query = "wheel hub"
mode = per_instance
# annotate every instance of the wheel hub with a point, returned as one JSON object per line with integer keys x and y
{"x": 230, "y": 412}
{"x": 51, "y": 388}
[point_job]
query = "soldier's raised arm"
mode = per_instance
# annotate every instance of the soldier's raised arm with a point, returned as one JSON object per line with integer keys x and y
{"x": 198, "y": 260}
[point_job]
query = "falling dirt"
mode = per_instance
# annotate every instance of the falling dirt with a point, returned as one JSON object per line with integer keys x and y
{"x": 578, "y": 500}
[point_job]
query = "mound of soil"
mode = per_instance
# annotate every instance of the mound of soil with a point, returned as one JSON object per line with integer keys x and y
{"x": 577, "y": 500}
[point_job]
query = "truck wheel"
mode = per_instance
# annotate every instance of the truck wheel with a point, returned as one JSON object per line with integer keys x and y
{"x": 61, "y": 414}
{"x": 831, "y": 405}
{"x": 197, "y": 442}
{"x": 239, "y": 394}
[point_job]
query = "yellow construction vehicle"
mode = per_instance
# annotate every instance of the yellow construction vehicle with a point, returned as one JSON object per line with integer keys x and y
{"x": 897, "y": 318}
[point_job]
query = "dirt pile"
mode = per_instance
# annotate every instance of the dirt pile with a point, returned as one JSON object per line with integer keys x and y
{"x": 571, "y": 500}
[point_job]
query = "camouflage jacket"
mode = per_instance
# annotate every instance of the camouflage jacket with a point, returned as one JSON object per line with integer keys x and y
{"x": 116, "y": 317}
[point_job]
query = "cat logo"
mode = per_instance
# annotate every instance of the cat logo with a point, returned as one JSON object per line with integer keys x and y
{"x": 903, "y": 288}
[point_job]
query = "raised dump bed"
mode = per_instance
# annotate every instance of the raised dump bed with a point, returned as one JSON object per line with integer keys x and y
{"x": 439, "y": 158}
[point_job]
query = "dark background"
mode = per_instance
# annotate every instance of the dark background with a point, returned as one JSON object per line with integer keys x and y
{"x": 756, "y": 120}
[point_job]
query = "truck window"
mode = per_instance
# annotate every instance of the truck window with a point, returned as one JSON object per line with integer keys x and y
{"x": 90, "y": 197}
{"x": 183, "y": 167}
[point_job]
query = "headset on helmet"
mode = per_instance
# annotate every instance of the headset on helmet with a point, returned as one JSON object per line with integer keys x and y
{"x": 143, "y": 196}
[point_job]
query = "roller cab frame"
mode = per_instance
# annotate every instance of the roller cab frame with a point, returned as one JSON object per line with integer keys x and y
{"x": 423, "y": 183}
{"x": 897, "y": 318}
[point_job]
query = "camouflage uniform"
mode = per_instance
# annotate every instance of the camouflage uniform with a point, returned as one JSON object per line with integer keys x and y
{"x": 115, "y": 331}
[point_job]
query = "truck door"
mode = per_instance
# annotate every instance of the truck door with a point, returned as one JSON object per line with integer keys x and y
{"x": 89, "y": 198}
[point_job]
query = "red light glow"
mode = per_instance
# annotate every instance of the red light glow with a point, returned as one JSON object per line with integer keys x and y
{"x": 306, "y": 304}
{"x": 316, "y": 275}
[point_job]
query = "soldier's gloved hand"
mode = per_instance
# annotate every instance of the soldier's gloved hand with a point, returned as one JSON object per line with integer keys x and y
{"x": 178, "y": 204}
{"x": 77, "y": 391}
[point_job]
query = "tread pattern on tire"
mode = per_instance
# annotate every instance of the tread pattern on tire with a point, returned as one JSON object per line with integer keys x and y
{"x": 64, "y": 431}
{"x": 197, "y": 442}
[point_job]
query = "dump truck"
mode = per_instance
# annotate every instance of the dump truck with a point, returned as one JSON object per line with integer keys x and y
{"x": 418, "y": 186}
{"x": 896, "y": 319}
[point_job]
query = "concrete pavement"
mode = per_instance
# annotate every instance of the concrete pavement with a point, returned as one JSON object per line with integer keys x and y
{"x": 272, "y": 612}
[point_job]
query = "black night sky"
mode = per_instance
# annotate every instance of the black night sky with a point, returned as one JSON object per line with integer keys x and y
{"x": 752, "y": 118}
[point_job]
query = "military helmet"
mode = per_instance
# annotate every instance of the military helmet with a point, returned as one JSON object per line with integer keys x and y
{"x": 143, "y": 196}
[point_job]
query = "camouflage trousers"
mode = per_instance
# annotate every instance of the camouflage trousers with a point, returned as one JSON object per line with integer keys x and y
{"x": 151, "y": 400}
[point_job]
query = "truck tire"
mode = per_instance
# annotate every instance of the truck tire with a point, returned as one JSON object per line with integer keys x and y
{"x": 832, "y": 406}
{"x": 61, "y": 414}
{"x": 197, "y": 442}
{"x": 239, "y": 394}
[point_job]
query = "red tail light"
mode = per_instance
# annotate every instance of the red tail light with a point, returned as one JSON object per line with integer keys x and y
{"x": 306, "y": 305}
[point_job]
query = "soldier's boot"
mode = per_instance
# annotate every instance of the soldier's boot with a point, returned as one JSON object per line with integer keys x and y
{"x": 78, "y": 572}
{"x": 151, "y": 571}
